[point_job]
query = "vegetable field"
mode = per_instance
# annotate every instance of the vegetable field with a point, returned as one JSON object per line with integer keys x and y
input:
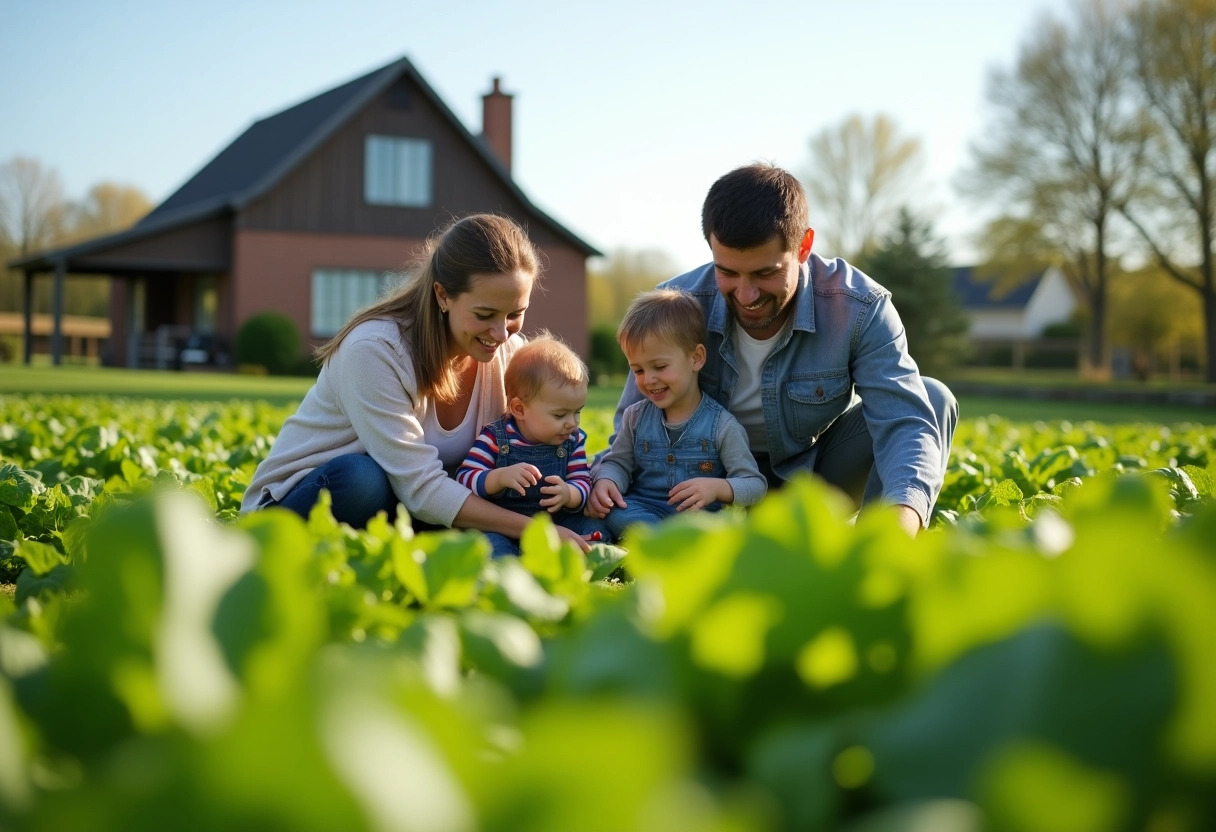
{"x": 1043, "y": 659}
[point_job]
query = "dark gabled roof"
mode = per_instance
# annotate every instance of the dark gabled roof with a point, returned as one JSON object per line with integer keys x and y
{"x": 261, "y": 156}
{"x": 264, "y": 153}
{"x": 975, "y": 293}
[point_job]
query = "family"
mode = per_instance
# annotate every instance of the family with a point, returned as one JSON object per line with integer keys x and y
{"x": 764, "y": 363}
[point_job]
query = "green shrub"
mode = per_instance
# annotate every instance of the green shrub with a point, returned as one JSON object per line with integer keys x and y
{"x": 607, "y": 359}
{"x": 270, "y": 339}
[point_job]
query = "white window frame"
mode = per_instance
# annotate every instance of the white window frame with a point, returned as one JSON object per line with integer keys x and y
{"x": 397, "y": 171}
{"x": 337, "y": 294}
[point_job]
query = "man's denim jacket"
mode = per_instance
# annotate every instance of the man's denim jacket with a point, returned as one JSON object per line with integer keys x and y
{"x": 846, "y": 340}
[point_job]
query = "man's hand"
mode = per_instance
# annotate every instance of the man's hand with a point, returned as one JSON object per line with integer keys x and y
{"x": 699, "y": 492}
{"x": 605, "y": 496}
{"x": 519, "y": 477}
{"x": 908, "y": 519}
{"x": 559, "y": 494}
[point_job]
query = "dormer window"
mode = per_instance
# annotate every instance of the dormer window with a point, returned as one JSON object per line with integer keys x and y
{"x": 397, "y": 171}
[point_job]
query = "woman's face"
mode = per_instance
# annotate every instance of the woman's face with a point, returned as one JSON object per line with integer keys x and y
{"x": 481, "y": 319}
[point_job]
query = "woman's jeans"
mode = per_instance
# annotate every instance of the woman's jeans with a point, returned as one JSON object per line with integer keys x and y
{"x": 357, "y": 485}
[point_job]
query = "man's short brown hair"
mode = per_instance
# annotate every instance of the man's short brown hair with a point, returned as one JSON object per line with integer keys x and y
{"x": 751, "y": 205}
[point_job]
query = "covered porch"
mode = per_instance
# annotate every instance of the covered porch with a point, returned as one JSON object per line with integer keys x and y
{"x": 170, "y": 292}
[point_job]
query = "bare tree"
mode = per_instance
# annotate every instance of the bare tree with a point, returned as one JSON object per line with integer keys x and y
{"x": 1175, "y": 62}
{"x": 1064, "y": 151}
{"x": 33, "y": 211}
{"x": 860, "y": 174}
{"x": 108, "y": 207}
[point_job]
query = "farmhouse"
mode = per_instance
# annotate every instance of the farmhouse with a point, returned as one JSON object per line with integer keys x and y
{"x": 1018, "y": 313}
{"x": 312, "y": 212}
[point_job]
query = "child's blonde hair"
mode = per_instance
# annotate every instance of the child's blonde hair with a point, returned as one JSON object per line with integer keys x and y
{"x": 544, "y": 359}
{"x": 669, "y": 315}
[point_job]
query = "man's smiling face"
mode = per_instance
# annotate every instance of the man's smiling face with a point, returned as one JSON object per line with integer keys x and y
{"x": 758, "y": 284}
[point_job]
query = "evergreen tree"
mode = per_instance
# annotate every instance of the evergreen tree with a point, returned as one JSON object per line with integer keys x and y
{"x": 911, "y": 264}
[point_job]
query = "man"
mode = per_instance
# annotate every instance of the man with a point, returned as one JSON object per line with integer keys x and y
{"x": 810, "y": 355}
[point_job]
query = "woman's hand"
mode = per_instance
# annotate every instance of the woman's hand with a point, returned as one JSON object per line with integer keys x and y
{"x": 560, "y": 494}
{"x": 519, "y": 477}
{"x": 699, "y": 492}
{"x": 575, "y": 538}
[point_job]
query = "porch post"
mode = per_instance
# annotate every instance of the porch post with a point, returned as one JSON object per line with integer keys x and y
{"x": 29, "y": 316}
{"x": 57, "y": 312}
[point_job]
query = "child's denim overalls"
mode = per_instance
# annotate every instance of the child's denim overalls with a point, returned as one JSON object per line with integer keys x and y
{"x": 660, "y": 464}
{"x": 550, "y": 460}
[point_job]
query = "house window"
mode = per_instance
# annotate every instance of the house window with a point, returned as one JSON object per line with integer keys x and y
{"x": 397, "y": 171}
{"x": 339, "y": 293}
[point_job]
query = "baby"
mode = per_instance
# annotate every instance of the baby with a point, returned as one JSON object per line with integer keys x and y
{"x": 534, "y": 458}
{"x": 677, "y": 449}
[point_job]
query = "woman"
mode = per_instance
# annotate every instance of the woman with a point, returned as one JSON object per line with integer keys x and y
{"x": 406, "y": 386}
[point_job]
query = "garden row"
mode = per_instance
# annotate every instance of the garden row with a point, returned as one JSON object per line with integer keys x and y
{"x": 1042, "y": 659}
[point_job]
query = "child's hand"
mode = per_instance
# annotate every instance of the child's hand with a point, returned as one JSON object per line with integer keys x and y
{"x": 520, "y": 477}
{"x": 559, "y": 494}
{"x": 697, "y": 493}
{"x": 604, "y": 497}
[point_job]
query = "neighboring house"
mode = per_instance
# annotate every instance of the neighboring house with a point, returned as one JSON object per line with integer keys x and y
{"x": 1016, "y": 314}
{"x": 308, "y": 212}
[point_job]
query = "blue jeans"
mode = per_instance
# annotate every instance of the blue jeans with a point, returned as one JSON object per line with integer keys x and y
{"x": 357, "y": 486}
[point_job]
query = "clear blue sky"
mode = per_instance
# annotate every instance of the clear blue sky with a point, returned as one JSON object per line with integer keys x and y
{"x": 625, "y": 112}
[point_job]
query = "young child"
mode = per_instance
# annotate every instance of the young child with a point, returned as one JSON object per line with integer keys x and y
{"x": 534, "y": 458}
{"x": 676, "y": 450}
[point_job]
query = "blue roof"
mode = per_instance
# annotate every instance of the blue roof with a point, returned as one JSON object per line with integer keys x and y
{"x": 976, "y": 293}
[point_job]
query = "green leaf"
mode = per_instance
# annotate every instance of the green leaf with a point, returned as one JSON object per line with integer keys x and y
{"x": 496, "y": 642}
{"x": 1033, "y": 785}
{"x": 131, "y": 472}
{"x": 729, "y": 636}
{"x": 8, "y": 526}
{"x": 603, "y": 559}
{"x": 19, "y": 488}
{"x": 515, "y": 589}
{"x": 540, "y": 548}
{"x": 453, "y": 562}
{"x": 1205, "y": 484}
{"x": 40, "y": 557}
{"x": 1004, "y": 493}
{"x": 434, "y": 642}
{"x": 408, "y": 557}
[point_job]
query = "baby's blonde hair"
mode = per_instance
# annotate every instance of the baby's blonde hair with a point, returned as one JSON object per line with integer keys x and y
{"x": 669, "y": 315}
{"x": 545, "y": 359}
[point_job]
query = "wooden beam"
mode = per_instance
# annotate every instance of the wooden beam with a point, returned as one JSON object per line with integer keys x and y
{"x": 57, "y": 313}
{"x": 28, "y": 331}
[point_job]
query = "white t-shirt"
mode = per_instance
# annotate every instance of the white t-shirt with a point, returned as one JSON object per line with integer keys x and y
{"x": 745, "y": 403}
{"x": 453, "y": 445}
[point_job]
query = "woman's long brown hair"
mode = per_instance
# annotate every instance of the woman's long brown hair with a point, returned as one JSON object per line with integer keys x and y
{"x": 479, "y": 244}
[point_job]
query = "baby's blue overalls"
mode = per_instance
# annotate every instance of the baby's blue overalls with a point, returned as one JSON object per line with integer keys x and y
{"x": 660, "y": 464}
{"x": 550, "y": 460}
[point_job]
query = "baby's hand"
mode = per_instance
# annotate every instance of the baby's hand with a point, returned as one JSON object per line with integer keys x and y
{"x": 699, "y": 492}
{"x": 520, "y": 477}
{"x": 604, "y": 497}
{"x": 559, "y": 494}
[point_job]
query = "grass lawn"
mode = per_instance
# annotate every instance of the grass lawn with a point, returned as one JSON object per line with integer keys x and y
{"x": 150, "y": 384}
{"x": 155, "y": 384}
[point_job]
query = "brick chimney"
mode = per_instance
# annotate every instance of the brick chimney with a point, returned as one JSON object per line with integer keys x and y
{"x": 496, "y": 122}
